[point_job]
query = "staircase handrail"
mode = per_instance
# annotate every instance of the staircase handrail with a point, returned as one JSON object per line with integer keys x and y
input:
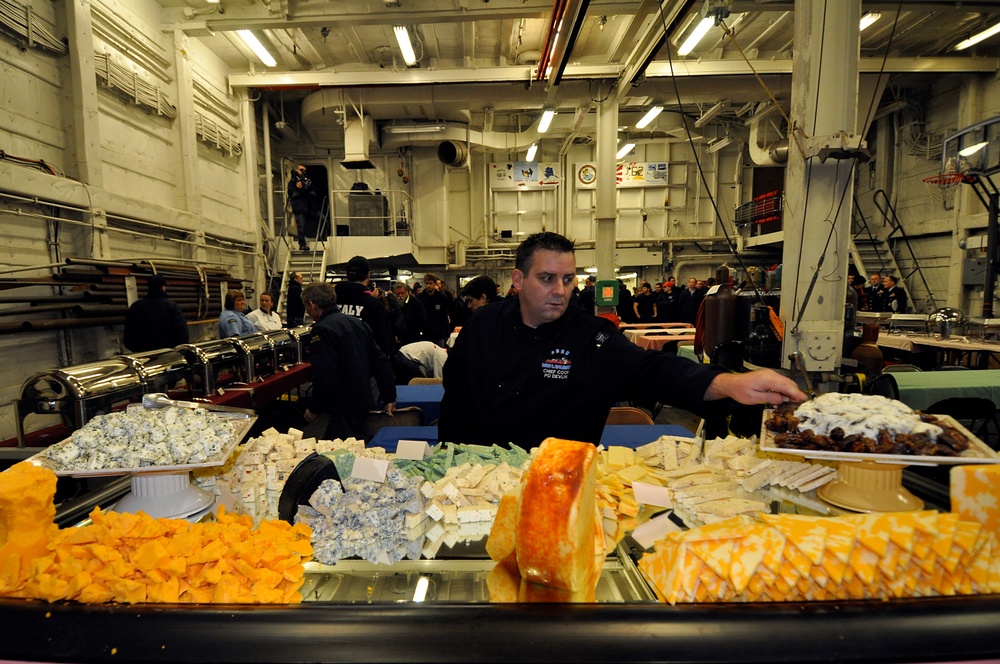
{"x": 892, "y": 219}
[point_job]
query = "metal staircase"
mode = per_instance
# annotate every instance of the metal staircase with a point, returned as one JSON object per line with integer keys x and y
{"x": 311, "y": 263}
{"x": 874, "y": 250}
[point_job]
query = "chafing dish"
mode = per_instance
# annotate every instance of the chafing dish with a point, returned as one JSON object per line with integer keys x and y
{"x": 258, "y": 355}
{"x": 286, "y": 347}
{"x": 986, "y": 328}
{"x": 908, "y": 323}
{"x": 945, "y": 322}
{"x": 78, "y": 393}
{"x": 162, "y": 370}
{"x": 215, "y": 364}
{"x": 302, "y": 335}
{"x": 879, "y": 317}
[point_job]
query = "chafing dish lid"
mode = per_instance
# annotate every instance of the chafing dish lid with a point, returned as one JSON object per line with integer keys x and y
{"x": 252, "y": 344}
{"x": 82, "y": 381}
{"x": 301, "y": 332}
{"x": 281, "y": 338}
{"x": 211, "y": 352}
{"x": 157, "y": 362}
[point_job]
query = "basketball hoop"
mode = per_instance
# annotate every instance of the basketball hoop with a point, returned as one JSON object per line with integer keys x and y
{"x": 941, "y": 188}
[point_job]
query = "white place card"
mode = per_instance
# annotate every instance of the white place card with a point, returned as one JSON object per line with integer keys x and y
{"x": 650, "y": 494}
{"x": 654, "y": 530}
{"x": 370, "y": 469}
{"x": 412, "y": 449}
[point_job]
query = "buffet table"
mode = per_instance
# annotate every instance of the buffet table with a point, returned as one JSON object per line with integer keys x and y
{"x": 627, "y": 435}
{"x": 957, "y": 350}
{"x": 920, "y": 389}
{"x": 657, "y": 339}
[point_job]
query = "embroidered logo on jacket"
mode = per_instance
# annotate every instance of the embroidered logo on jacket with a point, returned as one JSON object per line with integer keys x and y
{"x": 558, "y": 365}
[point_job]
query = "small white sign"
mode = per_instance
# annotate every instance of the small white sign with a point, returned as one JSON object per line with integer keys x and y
{"x": 412, "y": 449}
{"x": 654, "y": 530}
{"x": 650, "y": 494}
{"x": 370, "y": 469}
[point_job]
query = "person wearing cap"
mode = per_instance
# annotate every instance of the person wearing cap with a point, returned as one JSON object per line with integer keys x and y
{"x": 232, "y": 322}
{"x": 588, "y": 295}
{"x": 355, "y": 299}
{"x": 154, "y": 322}
{"x": 668, "y": 301}
{"x": 264, "y": 318}
{"x": 345, "y": 362}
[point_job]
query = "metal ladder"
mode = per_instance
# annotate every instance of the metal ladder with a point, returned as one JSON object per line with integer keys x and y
{"x": 874, "y": 252}
{"x": 311, "y": 263}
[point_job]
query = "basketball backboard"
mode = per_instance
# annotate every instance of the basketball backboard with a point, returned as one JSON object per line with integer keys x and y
{"x": 974, "y": 150}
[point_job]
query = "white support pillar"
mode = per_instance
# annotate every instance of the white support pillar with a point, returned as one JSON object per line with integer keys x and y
{"x": 84, "y": 114}
{"x": 607, "y": 189}
{"x": 189, "y": 190}
{"x": 818, "y": 195}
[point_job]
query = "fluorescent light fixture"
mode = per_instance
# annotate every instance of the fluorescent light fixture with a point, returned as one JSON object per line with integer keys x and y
{"x": 488, "y": 118}
{"x": 543, "y": 124}
{"x": 868, "y": 19}
{"x": 719, "y": 144}
{"x": 975, "y": 39}
{"x": 403, "y": 38}
{"x": 415, "y": 129}
{"x": 648, "y": 117}
{"x": 696, "y": 36}
{"x": 420, "y": 590}
{"x": 710, "y": 114}
{"x": 590, "y": 270}
{"x": 972, "y": 149}
{"x": 625, "y": 150}
{"x": 531, "y": 152}
{"x": 250, "y": 39}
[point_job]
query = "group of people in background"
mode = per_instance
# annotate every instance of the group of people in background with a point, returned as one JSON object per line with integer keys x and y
{"x": 660, "y": 303}
{"x": 880, "y": 294}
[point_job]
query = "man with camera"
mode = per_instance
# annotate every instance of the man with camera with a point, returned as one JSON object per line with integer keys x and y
{"x": 299, "y": 194}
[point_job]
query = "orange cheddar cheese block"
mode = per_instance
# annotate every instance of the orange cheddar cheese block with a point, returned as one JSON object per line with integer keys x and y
{"x": 975, "y": 495}
{"x": 555, "y": 525}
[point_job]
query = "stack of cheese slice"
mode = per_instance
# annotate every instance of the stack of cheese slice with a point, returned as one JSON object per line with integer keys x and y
{"x": 552, "y": 526}
{"x": 786, "y": 558}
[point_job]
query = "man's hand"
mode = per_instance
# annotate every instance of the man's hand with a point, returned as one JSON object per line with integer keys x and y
{"x": 390, "y": 408}
{"x": 298, "y": 184}
{"x": 755, "y": 387}
{"x": 309, "y": 415}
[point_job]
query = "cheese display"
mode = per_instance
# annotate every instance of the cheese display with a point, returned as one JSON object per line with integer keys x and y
{"x": 557, "y": 522}
{"x": 864, "y": 424}
{"x": 975, "y": 495}
{"x": 256, "y": 471}
{"x": 140, "y": 437}
{"x": 130, "y": 558}
{"x": 786, "y": 558}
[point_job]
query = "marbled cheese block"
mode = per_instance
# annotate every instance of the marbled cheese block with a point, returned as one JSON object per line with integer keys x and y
{"x": 975, "y": 495}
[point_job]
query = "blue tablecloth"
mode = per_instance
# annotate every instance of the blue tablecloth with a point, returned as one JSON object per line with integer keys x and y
{"x": 627, "y": 435}
{"x": 920, "y": 389}
{"x": 428, "y": 397}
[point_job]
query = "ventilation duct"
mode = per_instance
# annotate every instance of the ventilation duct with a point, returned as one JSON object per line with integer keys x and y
{"x": 766, "y": 146}
{"x": 453, "y": 153}
{"x": 359, "y": 134}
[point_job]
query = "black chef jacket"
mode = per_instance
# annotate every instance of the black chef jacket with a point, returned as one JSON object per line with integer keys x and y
{"x": 508, "y": 383}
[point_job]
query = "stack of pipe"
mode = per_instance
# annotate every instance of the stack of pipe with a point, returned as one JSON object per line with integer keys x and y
{"x": 94, "y": 294}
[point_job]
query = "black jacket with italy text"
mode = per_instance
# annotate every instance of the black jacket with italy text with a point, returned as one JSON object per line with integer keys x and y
{"x": 508, "y": 383}
{"x": 354, "y": 299}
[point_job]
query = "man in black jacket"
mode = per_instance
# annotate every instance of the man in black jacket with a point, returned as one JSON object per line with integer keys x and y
{"x": 537, "y": 366}
{"x": 354, "y": 299}
{"x": 436, "y": 304}
{"x": 154, "y": 322}
{"x": 300, "y": 195}
{"x": 294, "y": 312}
{"x": 413, "y": 319}
{"x": 345, "y": 359}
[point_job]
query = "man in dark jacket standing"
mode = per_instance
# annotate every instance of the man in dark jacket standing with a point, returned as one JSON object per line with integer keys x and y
{"x": 294, "y": 312}
{"x": 345, "y": 359}
{"x": 300, "y": 194}
{"x": 436, "y": 305}
{"x": 414, "y": 317}
{"x": 154, "y": 322}
{"x": 354, "y": 299}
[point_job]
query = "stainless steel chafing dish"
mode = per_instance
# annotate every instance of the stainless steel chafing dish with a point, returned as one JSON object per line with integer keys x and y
{"x": 286, "y": 347}
{"x": 302, "y": 335}
{"x": 986, "y": 328}
{"x": 879, "y": 317}
{"x": 908, "y": 323}
{"x": 258, "y": 355}
{"x": 215, "y": 364}
{"x": 79, "y": 393}
{"x": 162, "y": 370}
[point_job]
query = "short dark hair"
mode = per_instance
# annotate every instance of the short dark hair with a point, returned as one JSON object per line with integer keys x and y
{"x": 547, "y": 241}
{"x": 232, "y": 296}
{"x": 321, "y": 294}
{"x": 480, "y": 286}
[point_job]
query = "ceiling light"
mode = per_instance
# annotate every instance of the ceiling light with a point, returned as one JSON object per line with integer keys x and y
{"x": 415, "y": 129}
{"x": 719, "y": 144}
{"x": 625, "y": 150}
{"x": 710, "y": 114}
{"x": 543, "y": 124}
{"x": 488, "y": 118}
{"x": 696, "y": 36}
{"x": 403, "y": 38}
{"x": 972, "y": 149}
{"x": 250, "y": 39}
{"x": 868, "y": 19}
{"x": 975, "y": 39}
{"x": 531, "y": 152}
{"x": 648, "y": 117}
